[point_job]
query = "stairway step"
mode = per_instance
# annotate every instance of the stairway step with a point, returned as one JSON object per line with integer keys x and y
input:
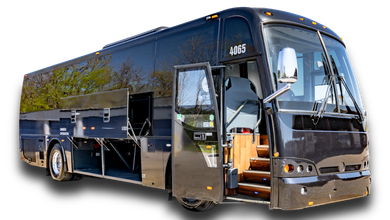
{"x": 258, "y": 163}
{"x": 254, "y": 190}
{"x": 257, "y": 176}
{"x": 263, "y": 150}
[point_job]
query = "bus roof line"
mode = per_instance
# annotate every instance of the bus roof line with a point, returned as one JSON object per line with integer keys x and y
{"x": 161, "y": 27}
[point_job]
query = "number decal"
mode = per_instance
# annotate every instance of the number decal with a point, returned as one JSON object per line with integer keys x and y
{"x": 237, "y": 50}
{"x": 243, "y": 48}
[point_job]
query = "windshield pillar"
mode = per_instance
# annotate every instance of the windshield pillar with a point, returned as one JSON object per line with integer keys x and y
{"x": 328, "y": 63}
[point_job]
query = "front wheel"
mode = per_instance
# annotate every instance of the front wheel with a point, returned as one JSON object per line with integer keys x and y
{"x": 57, "y": 165}
{"x": 196, "y": 205}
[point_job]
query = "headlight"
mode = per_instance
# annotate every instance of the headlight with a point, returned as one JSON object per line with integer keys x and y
{"x": 293, "y": 168}
{"x": 288, "y": 168}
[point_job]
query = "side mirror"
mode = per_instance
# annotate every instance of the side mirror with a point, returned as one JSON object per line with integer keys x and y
{"x": 287, "y": 72}
{"x": 287, "y": 66}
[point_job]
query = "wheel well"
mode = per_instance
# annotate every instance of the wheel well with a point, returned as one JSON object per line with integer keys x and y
{"x": 49, "y": 148}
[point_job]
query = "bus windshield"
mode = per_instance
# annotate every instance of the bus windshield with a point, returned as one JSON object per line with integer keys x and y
{"x": 314, "y": 75}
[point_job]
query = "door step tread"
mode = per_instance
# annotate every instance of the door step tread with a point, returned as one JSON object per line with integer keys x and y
{"x": 258, "y": 163}
{"x": 246, "y": 199}
{"x": 257, "y": 171}
{"x": 254, "y": 190}
{"x": 260, "y": 159}
{"x": 263, "y": 146}
{"x": 255, "y": 185}
{"x": 257, "y": 176}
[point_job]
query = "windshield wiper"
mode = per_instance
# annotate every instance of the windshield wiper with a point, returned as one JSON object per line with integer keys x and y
{"x": 342, "y": 80}
{"x": 316, "y": 117}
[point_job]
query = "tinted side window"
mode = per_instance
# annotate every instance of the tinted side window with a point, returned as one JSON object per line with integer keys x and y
{"x": 237, "y": 38}
{"x": 44, "y": 91}
{"x": 188, "y": 47}
{"x": 131, "y": 68}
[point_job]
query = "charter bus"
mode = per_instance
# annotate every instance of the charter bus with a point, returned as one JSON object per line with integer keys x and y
{"x": 247, "y": 105}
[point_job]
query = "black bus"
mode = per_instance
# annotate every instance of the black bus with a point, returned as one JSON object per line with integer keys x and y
{"x": 247, "y": 105}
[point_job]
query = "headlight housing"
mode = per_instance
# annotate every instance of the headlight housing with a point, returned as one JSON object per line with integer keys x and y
{"x": 293, "y": 168}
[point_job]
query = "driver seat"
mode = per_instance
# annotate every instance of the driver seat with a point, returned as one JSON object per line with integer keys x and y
{"x": 237, "y": 91}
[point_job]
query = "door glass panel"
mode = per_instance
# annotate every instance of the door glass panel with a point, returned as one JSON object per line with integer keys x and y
{"x": 194, "y": 103}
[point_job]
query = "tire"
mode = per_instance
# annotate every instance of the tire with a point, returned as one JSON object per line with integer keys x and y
{"x": 57, "y": 165}
{"x": 196, "y": 205}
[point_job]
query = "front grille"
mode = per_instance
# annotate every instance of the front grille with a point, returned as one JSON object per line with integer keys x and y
{"x": 324, "y": 170}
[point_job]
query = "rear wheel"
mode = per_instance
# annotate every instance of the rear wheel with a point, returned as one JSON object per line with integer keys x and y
{"x": 196, "y": 205}
{"x": 57, "y": 165}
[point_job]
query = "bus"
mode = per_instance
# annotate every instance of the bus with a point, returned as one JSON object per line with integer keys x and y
{"x": 250, "y": 105}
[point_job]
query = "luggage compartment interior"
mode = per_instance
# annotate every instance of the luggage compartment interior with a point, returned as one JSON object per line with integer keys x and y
{"x": 109, "y": 158}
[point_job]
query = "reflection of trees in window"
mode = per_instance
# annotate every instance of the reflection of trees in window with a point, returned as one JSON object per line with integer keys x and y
{"x": 128, "y": 75}
{"x": 44, "y": 91}
{"x": 193, "y": 99}
{"x": 197, "y": 50}
{"x": 194, "y": 50}
{"x": 160, "y": 82}
{"x": 120, "y": 70}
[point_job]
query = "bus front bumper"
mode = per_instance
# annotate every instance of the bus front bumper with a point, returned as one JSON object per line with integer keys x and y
{"x": 303, "y": 192}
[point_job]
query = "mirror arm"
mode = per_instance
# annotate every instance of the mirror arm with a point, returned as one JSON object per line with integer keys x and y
{"x": 277, "y": 93}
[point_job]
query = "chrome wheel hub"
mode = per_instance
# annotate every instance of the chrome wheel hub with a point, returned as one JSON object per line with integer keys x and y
{"x": 56, "y": 163}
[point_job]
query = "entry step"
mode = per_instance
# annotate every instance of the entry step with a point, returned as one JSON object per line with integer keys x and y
{"x": 254, "y": 190}
{"x": 263, "y": 150}
{"x": 257, "y": 176}
{"x": 258, "y": 163}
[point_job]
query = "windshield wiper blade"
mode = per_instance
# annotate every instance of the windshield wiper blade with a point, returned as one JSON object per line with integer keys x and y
{"x": 316, "y": 117}
{"x": 342, "y": 80}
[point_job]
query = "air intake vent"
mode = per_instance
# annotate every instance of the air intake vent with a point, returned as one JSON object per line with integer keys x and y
{"x": 353, "y": 167}
{"x": 325, "y": 170}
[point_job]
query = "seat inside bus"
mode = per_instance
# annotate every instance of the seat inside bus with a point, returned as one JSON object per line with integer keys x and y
{"x": 241, "y": 91}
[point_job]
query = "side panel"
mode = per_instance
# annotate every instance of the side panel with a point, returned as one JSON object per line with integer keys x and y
{"x": 33, "y": 149}
{"x": 154, "y": 155}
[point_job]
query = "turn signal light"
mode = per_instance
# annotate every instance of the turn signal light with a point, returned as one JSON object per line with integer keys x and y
{"x": 288, "y": 168}
{"x": 211, "y": 17}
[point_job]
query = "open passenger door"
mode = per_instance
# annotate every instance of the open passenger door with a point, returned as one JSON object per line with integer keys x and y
{"x": 197, "y": 164}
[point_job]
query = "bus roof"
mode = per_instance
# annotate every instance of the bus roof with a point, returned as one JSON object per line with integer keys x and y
{"x": 263, "y": 14}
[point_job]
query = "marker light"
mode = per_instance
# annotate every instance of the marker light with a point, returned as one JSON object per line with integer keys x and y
{"x": 211, "y": 17}
{"x": 313, "y": 22}
{"x": 276, "y": 154}
{"x": 324, "y": 27}
{"x": 209, "y": 188}
{"x": 288, "y": 168}
{"x": 302, "y": 19}
{"x": 268, "y": 13}
{"x": 97, "y": 53}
